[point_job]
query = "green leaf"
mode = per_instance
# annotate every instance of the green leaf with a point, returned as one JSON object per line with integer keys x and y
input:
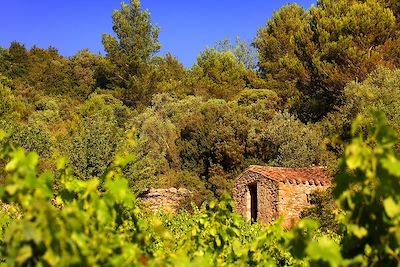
{"x": 3, "y": 135}
{"x": 326, "y": 250}
{"x": 24, "y": 254}
{"x": 62, "y": 163}
{"x": 392, "y": 165}
{"x": 391, "y": 207}
{"x": 51, "y": 258}
{"x": 32, "y": 159}
{"x": 118, "y": 190}
{"x": 103, "y": 214}
{"x": 123, "y": 160}
{"x": 356, "y": 125}
{"x": 12, "y": 189}
{"x": 217, "y": 241}
{"x": 355, "y": 156}
{"x": 358, "y": 231}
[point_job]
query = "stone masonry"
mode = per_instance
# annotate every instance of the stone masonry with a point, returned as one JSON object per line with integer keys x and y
{"x": 264, "y": 194}
{"x": 164, "y": 199}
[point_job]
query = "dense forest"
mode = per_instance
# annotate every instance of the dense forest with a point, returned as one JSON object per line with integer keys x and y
{"x": 315, "y": 87}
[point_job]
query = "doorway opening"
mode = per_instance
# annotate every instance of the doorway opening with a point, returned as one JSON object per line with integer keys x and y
{"x": 253, "y": 202}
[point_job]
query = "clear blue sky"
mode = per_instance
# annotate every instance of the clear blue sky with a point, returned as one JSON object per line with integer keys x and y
{"x": 187, "y": 26}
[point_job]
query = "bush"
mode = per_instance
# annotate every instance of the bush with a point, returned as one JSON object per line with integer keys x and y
{"x": 296, "y": 144}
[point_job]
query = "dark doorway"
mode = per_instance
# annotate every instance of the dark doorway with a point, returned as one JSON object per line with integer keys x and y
{"x": 253, "y": 202}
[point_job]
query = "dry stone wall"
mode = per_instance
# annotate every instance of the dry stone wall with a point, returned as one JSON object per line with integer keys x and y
{"x": 165, "y": 199}
{"x": 267, "y": 194}
{"x": 293, "y": 198}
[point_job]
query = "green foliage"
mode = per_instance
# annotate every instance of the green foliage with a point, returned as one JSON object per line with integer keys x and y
{"x": 251, "y": 96}
{"x": 94, "y": 141}
{"x": 393, "y": 5}
{"x": 11, "y": 105}
{"x": 92, "y": 146}
{"x": 245, "y": 53}
{"x": 217, "y": 75}
{"x": 323, "y": 210}
{"x": 215, "y": 139}
{"x": 299, "y": 146}
{"x": 32, "y": 138}
{"x": 89, "y": 72}
{"x": 15, "y": 61}
{"x": 97, "y": 222}
{"x": 168, "y": 74}
{"x": 90, "y": 228}
{"x": 137, "y": 38}
{"x": 49, "y": 72}
{"x": 210, "y": 132}
{"x": 379, "y": 92}
{"x": 368, "y": 192}
{"x": 156, "y": 150}
{"x": 94, "y": 138}
{"x": 310, "y": 56}
{"x": 220, "y": 181}
{"x": 359, "y": 33}
{"x": 276, "y": 46}
{"x": 107, "y": 107}
{"x": 130, "y": 51}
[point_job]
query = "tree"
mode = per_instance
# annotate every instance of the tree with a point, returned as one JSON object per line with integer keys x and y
{"x": 296, "y": 144}
{"x": 379, "y": 92}
{"x": 314, "y": 54}
{"x": 217, "y": 75}
{"x": 130, "y": 51}
{"x": 93, "y": 142}
{"x": 342, "y": 42}
{"x": 49, "y": 72}
{"x": 243, "y": 51}
{"x": 168, "y": 75}
{"x": 88, "y": 72}
{"x": 14, "y": 61}
{"x": 10, "y": 105}
{"x": 259, "y": 104}
{"x": 277, "y": 59}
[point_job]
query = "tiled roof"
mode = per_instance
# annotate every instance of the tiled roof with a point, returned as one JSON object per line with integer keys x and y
{"x": 311, "y": 175}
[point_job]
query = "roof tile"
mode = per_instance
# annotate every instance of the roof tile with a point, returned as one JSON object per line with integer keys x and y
{"x": 311, "y": 175}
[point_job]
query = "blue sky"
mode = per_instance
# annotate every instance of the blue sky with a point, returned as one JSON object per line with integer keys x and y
{"x": 187, "y": 26}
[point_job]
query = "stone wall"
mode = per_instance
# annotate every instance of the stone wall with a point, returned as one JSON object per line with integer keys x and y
{"x": 293, "y": 198}
{"x": 267, "y": 200}
{"x": 165, "y": 199}
{"x": 267, "y": 197}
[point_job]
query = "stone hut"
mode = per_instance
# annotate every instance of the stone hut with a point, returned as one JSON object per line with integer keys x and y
{"x": 264, "y": 194}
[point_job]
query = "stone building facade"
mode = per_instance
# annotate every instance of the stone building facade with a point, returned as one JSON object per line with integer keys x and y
{"x": 264, "y": 194}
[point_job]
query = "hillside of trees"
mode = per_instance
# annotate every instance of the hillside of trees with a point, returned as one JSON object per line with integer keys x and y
{"x": 91, "y": 132}
{"x": 286, "y": 100}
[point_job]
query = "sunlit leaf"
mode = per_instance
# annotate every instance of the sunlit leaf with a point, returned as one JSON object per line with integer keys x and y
{"x": 24, "y": 253}
{"x": 391, "y": 207}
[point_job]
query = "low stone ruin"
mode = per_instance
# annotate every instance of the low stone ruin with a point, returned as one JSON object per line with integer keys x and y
{"x": 165, "y": 199}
